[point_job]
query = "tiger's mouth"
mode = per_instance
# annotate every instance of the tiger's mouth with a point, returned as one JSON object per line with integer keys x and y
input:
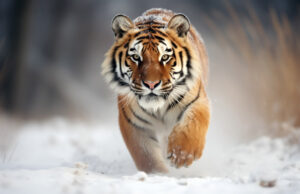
{"x": 151, "y": 101}
{"x": 147, "y": 94}
{"x": 152, "y": 95}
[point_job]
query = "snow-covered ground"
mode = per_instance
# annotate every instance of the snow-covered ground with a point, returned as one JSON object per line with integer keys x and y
{"x": 60, "y": 156}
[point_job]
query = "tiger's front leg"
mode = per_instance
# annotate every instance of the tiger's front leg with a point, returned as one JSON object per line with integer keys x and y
{"x": 142, "y": 145}
{"x": 186, "y": 141}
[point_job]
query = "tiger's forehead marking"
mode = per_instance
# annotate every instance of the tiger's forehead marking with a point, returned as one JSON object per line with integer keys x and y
{"x": 151, "y": 28}
{"x": 150, "y": 36}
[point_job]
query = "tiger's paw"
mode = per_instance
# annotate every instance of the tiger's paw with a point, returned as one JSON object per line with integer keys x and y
{"x": 183, "y": 149}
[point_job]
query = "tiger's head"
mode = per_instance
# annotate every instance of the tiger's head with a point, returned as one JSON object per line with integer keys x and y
{"x": 150, "y": 61}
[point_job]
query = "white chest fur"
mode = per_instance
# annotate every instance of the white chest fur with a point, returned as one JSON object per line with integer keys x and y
{"x": 160, "y": 123}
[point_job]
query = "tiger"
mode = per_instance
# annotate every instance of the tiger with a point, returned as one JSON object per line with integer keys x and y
{"x": 158, "y": 67}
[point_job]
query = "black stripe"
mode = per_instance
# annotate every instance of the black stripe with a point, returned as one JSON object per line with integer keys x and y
{"x": 158, "y": 27}
{"x": 122, "y": 83}
{"x": 151, "y": 30}
{"x": 132, "y": 49}
{"x": 144, "y": 48}
{"x": 138, "y": 42}
{"x": 145, "y": 31}
{"x": 153, "y": 138}
{"x": 143, "y": 37}
{"x": 126, "y": 45}
{"x": 162, "y": 42}
{"x": 166, "y": 88}
{"x": 181, "y": 60}
{"x": 174, "y": 45}
{"x": 126, "y": 64}
{"x": 173, "y": 53}
{"x": 138, "y": 33}
{"x": 132, "y": 123}
{"x": 120, "y": 65}
{"x": 165, "y": 96}
{"x": 148, "y": 113}
{"x": 138, "y": 117}
{"x": 175, "y": 102}
{"x": 163, "y": 34}
{"x": 171, "y": 75}
{"x": 127, "y": 75}
{"x": 189, "y": 104}
{"x": 181, "y": 83}
{"x": 120, "y": 33}
{"x": 140, "y": 26}
{"x": 174, "y": 64}
{"x": 168, "y": 50}
{"x": 113, "y": 70}
{"x": 178, "y": 72}
{"x": 159, "y": 38}
{"x": 188, "y": 63}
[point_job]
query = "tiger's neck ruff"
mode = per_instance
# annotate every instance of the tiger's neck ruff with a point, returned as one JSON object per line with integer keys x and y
{"x": 158, "y": 67}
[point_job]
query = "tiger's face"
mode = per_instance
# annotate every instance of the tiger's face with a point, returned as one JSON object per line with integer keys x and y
{"x": 150, "y": 61}
{"x": 149, "y": 65}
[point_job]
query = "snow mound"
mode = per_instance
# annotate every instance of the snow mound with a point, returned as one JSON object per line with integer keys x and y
{"x": 59, "y": 156}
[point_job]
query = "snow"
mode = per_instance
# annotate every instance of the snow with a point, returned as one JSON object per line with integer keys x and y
{"x": 63, "y": 156}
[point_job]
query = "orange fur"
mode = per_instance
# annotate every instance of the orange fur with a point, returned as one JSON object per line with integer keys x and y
{"x": 187, "y": 139}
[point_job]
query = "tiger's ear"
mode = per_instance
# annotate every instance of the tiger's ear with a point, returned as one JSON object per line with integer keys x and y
{"x": 121, "y": 24}
{"x": 180, "y": 23}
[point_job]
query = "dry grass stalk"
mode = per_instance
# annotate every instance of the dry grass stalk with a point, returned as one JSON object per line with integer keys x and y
{"x": 268, "y": 58}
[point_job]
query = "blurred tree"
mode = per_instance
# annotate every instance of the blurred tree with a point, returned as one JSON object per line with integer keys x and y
{"x": 11, "y": 23}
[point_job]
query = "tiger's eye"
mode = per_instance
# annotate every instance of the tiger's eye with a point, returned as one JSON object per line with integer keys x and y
{"x": 165, "y": 57}
{"x": 135, "y": 57}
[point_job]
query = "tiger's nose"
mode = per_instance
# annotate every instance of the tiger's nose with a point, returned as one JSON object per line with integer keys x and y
{"x": 151, "y": 84}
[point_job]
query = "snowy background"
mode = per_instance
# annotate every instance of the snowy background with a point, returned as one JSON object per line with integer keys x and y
{"x": 58, "y": 120}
